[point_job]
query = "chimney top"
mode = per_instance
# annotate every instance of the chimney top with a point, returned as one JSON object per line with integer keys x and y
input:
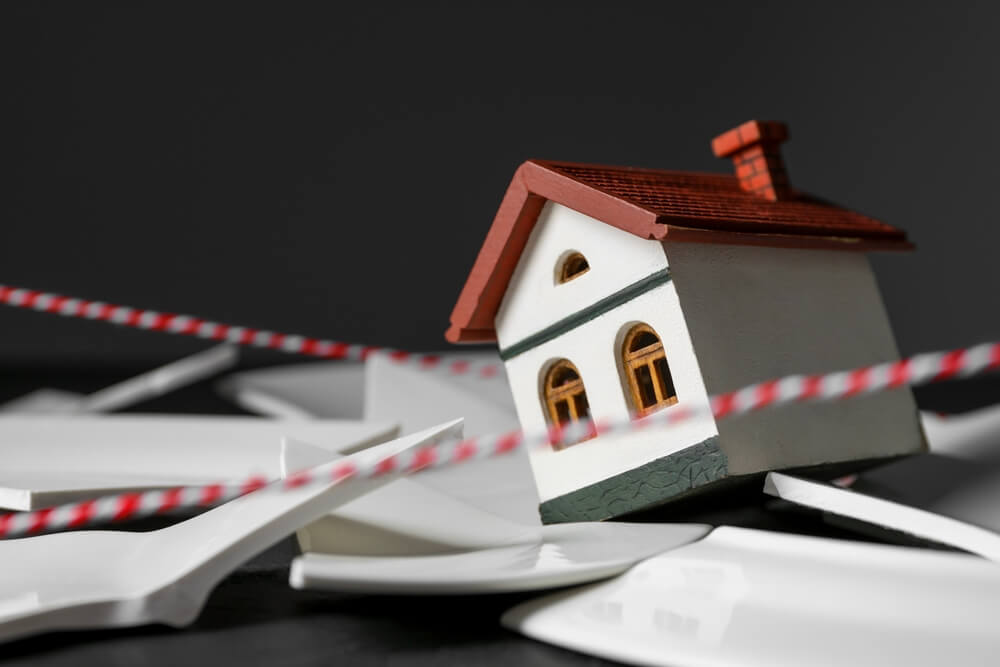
{"x": 754, "y": 147}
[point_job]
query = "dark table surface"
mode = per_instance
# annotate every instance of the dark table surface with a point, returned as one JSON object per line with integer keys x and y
{"x": 254, "y": 618}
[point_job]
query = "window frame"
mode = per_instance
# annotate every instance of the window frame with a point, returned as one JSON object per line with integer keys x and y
{"x": 664, "y": 389}
{"x": 562, "y": 275}
{"x": 568, "y": 392}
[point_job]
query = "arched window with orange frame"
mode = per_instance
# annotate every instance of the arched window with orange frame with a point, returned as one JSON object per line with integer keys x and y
{"x": 647, "y": 374}
{"x": 572, "y": 266}
{"x": 564, "y": 396}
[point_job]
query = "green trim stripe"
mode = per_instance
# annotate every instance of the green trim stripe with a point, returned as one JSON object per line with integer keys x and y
{"x": 606, "y": 304}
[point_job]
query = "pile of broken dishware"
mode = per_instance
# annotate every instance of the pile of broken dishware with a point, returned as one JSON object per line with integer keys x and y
{"x": 645, "y": 593}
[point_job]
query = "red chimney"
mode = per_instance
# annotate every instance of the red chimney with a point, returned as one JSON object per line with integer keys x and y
{"x": 754, "y": 147}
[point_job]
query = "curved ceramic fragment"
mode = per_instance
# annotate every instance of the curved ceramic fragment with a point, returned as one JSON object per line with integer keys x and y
{"x": 761, "y": 599}
{"x": 101, "y": 578}
{"x": 49, "y": 460}
{"x": 971, "y": 435}
{"x": 571, "y": 553}
{"x": 404, "y": 518}
{"x": 936, "y": 519}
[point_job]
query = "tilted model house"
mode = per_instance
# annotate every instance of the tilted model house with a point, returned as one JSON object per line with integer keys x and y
{"x": 614, "y": 291}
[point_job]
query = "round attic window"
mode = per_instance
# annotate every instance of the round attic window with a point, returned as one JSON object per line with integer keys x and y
{"x": 573, "y": 266}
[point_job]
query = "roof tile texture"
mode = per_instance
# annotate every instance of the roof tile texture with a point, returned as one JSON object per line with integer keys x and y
{"x": 717, "y": 202}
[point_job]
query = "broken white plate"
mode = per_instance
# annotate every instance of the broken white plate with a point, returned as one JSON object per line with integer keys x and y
{"x": 950, "y": 496}
{"x": 404, "y": 518}
{"x": 503, "y": 485}
{"x": 45, "y": 401}
{"x": 936, "y": 498}
{"x": 129, "y": 392}
{"x": 414, "y": 399}
{"x": 755, "y": 598}
{"x": 325, "y": 389}
{"x": 565, "y": 554}
{"x": 500, "y": 485}
{"x": 340, "y": 389}
{"x": 99, "y": 578}
{"x": 971, "y": 435}
{"x": 407, "y": 538}
{"x": 49, "y": 460}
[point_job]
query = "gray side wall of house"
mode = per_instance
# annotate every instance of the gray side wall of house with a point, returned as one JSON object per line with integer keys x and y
{"x": 757, "y": 313}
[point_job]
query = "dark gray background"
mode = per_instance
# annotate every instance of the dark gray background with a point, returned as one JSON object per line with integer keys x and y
{"x": 331, "y": 169}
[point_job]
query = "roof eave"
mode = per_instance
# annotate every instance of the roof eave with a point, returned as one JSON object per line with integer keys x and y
{"x": 680, "y": 233}
{"x": 533, "y": 184}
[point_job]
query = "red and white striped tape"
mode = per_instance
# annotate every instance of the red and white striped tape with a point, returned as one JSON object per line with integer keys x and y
{"x": 920, "y": 369}
{"x": 188, "y": 325}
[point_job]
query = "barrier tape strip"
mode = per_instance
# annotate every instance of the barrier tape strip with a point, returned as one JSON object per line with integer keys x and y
{"x": 917, "y": 370}
{"x": 188, "y": 325}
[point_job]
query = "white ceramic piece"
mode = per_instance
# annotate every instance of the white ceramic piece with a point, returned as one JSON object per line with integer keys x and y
{"x": 415, "y": 397}
{"x": 971, "y": 435}
{"x": 501, "y": 486}
{"x": 162, "y": 380}
{"x": 950, "y": 496}
{"x": 933, "y": 497}
{"x": 404, "y": 518}
{"x": 380, "y": 387}
{"x": 566, "y": 554}
{"x": 92, "y": 579}
{"x": 52, "y": 460}
{"x": 755, "y": 598}
{"x": 129, "y": 392}
{"x": 45, "y": 401}
{"x": 326, "y": 389}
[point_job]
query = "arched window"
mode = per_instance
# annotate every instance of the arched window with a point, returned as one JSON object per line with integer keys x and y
{"x": 647, "y": 373}
{"x": 565, "y": 396}
{"x": 573, "y": 266}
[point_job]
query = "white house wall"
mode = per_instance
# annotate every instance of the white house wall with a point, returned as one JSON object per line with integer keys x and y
{"x": 533, "y": 301}
{"x": 756, "y": 313}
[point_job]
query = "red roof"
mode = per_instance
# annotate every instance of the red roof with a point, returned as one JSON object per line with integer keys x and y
{"x": 653, "y": 204}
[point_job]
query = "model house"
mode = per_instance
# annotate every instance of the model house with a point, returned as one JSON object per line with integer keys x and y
{"x": 616, "y": 291}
